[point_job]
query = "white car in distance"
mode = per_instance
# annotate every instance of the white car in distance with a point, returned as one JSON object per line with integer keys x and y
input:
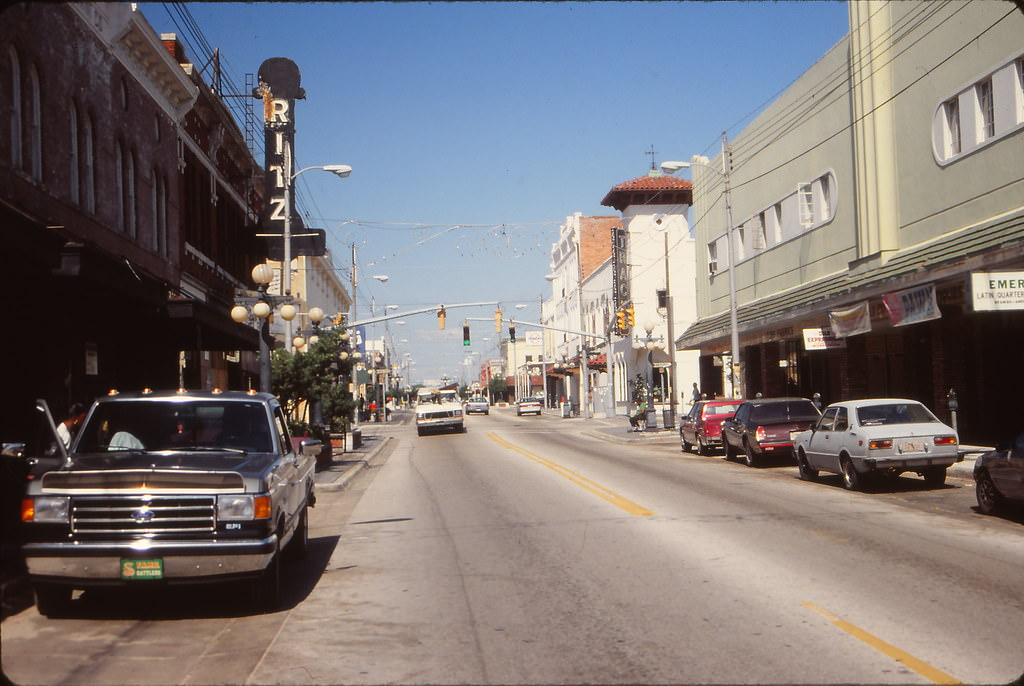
{"x": 885, "y": 436}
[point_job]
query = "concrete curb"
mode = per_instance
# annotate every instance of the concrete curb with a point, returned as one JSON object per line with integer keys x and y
{"x": 351, "y": 468}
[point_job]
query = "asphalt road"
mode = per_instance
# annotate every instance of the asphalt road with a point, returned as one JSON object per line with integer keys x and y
{"x": 527, "y": 551}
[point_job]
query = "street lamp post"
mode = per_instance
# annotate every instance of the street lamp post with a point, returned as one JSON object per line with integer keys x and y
{"x": 262, "y": 306}
{"x": 736, "y": 377}
{"x": 650, "y": 342}
{"x": 341, "y": 171}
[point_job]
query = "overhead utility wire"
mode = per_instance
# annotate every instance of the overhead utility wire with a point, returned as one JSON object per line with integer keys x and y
{"x": 877, "y": 107}
{"x": 786, "y": 117}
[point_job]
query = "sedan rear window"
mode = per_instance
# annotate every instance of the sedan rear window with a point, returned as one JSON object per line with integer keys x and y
{"x": 895, "y": 413}
{"x": 787, "y": 411}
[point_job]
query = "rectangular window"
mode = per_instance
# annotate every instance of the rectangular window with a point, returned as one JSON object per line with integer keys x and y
{"x": 951, "y": 108}
{"x": 805, "y": 203}
{"x": 986, "y": 109}
{"x": 712, "y": 257}
{"x": 758, "y": 240}
{"x": 825, "y": 197}
{"x": 1020, "y": 90}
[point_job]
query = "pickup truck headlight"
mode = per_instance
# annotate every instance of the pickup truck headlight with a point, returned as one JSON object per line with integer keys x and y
{"x": 47, "y": 509}
{"x": 243, "y": 507}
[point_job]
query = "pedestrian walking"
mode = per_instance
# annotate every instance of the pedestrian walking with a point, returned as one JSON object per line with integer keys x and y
{"x": 694, "y": 394}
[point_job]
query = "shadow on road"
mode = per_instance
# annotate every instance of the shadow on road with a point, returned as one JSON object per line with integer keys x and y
{"x": 167, "y": 602}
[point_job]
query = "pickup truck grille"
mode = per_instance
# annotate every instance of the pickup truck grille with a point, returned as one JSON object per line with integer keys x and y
{"x": 142, "y": 515}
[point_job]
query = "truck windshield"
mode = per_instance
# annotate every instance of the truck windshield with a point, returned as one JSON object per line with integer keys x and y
{"x": 153, "y": 425}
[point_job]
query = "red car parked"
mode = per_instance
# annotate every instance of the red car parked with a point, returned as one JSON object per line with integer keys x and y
{"x": 702, "y": 425}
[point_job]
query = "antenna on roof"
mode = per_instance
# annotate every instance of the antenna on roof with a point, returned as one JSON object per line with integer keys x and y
{"x": 652, "y": 153}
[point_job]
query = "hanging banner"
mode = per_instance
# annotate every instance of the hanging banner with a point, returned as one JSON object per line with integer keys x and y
{"x": 997, "y": 291}
{"x": 912, "y": 306}
{"x": 850, "y": 322}
{"x": 822, "y": 338}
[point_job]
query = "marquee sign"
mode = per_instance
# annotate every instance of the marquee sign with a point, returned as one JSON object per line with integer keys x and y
{"x": 279, "y": 88}
{"x": 620, "y": 267}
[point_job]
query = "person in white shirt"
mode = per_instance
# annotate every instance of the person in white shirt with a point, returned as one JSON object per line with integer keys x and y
{"x": 67, "y": 429}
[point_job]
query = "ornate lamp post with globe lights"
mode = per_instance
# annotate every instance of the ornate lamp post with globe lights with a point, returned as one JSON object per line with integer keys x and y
{"x": 262, "y": 306}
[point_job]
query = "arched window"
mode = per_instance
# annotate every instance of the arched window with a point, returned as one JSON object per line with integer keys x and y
{"x": 159, "y": 238}
{"x": 35, "y": 122}
{"x": 74, "y": 157}
{"x": 119, "y": 184}
{"x": 131, "y": 215}
{"x": 15, "y": 106}
{"x": 88, "y": 165}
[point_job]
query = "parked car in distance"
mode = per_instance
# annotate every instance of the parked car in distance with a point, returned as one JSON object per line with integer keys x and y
{"x": 528, "y": 406}
{"x": 999, "y": 477}
{"x": 885, "y": 436}
{"x": 478, "y": 405}
{"x": 766, "y": 426}
{"x": 702, "y": 425}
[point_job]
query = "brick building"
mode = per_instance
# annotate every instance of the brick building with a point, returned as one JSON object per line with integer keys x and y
{"x": 127, "y": 206}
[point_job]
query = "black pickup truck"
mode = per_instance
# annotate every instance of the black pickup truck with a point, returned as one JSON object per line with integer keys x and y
{"x": 166, "y": 488}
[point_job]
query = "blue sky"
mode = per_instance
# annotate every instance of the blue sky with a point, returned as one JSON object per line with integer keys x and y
{"x": 498, "y": 118}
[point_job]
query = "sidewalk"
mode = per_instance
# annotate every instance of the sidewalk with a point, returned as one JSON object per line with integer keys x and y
{"x": 345, "y": 465}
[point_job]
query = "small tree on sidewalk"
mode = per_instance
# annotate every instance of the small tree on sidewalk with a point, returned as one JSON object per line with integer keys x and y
{"x": 301, "y": 379}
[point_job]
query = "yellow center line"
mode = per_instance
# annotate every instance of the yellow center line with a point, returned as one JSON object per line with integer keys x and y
{"x": 621, "y": 502}
{"x": 933, "y": 674}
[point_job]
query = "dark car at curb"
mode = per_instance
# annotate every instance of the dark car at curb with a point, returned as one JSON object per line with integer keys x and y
{"x": 702, "y": 425}
{"x": 167, "y": 488}
{"x": 766, "y": 426}
{"x": 999, "y": 477}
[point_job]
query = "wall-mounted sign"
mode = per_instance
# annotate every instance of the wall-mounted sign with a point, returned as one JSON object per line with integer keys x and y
{"x": 822, "y": 338}
{"x": 851, "y": 321}
{"x": 912, "y": 306}
{"x": 535, "y": 338}
{"x": 997, "y": 291}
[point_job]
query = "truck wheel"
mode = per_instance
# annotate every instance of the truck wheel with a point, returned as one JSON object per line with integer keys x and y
{"x": 299, "y": 545}
{"x": 702, "y": 447}
{"x": 52, "y": 600}
{"x": 685, "y": 444}
{"x": 267, "y": 586}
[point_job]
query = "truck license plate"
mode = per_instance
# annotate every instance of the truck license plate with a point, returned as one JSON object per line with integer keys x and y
{"x": 142, "y": 569}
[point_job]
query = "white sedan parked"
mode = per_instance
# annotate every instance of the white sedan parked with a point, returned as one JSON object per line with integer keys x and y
{"x": 886, "y": 436}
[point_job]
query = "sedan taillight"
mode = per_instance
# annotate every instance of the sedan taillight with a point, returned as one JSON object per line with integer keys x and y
{"x": 882, "y": 444}
{"x": 945, "y": 440}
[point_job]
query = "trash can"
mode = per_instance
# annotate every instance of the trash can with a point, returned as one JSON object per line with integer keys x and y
{"x": 566, "y": 409}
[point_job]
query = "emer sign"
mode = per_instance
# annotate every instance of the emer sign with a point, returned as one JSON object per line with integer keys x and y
{"x": 997, "y": 291}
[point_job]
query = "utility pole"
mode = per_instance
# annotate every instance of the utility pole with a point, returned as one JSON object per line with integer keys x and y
{"x": 737, "y": 381}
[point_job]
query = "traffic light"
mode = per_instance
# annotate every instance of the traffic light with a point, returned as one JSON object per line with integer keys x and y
{"x": 630, "y": 316}
{"x": 465, "y": 334}
{"x": 620, "y": 321}
{"x": 440, "y": 318}
{"x": 497, "y": 320}
{"x": 512, "y": 334}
